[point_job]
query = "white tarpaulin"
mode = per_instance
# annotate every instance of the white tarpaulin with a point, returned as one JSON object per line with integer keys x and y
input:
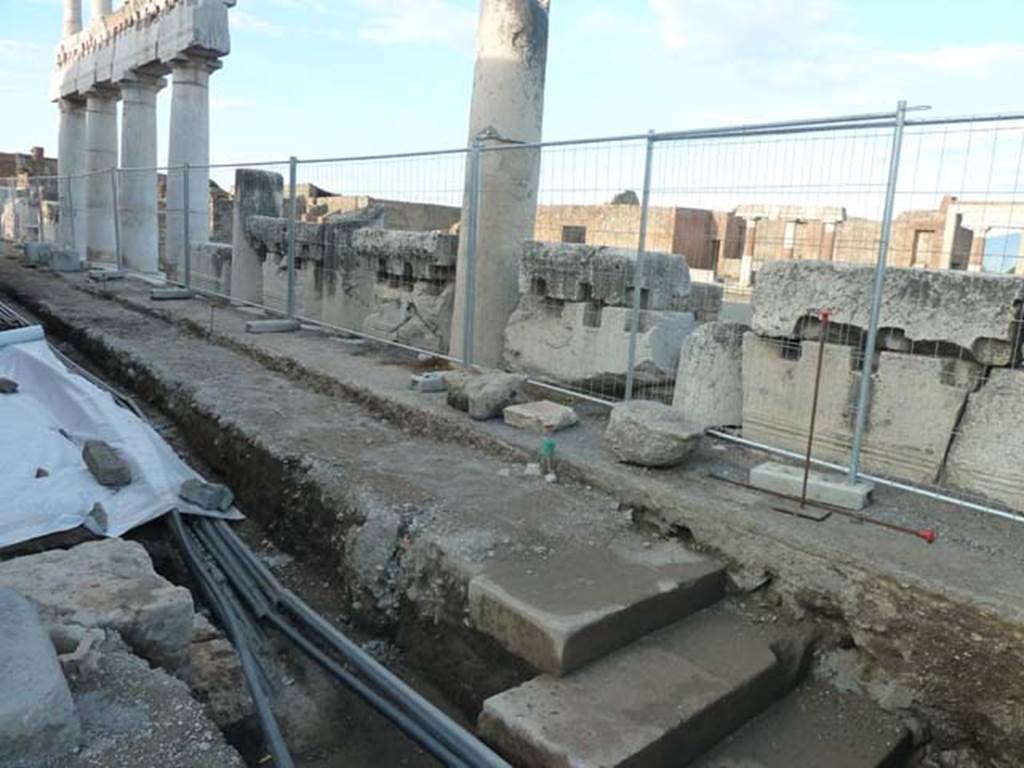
{"x": 43, "y": 427}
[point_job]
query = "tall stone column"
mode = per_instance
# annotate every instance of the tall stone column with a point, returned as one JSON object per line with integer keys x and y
{"x": 189, "y": 142}
{"x": 72, "y": 17}
{"x": 100, "y": 155}
{"x": 140, "y": 235}
{"x": 100, "y": 8}
{"x": 70, "y": 164}
{"x": 507, "y": 107}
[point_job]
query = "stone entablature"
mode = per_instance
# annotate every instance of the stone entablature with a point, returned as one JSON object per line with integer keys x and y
{"x": 141, "y": 34}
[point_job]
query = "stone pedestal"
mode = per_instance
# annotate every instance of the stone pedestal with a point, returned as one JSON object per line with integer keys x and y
{"x": 100, "y": 156}
{"x": 138, "y": 177}
{"x": 189, "y": 143}
{"x": 71, "y": 163}
{"x": 508, "y": 105}
{"x": 257, "y": 193}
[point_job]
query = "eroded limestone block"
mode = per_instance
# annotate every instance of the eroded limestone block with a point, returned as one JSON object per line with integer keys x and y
{"x": 650, "y": 434}
{"x": 986, "y": 454}
{"x": 915, "y": 399}
{"x": 709, "y": 379}
{"x": 419, "y": 315}
{"x": 211, "y": 266}
{"x": 977, "y": 312}
{"x": 576, "y": 272}
{"x": 484, "y": 395}
{"x": 37, "y": 716}
{"x": 577, "y": 344}
{"x": 257, "y": 193}
{"x": 108, "y": 584}
{"x": 540, "y": 416}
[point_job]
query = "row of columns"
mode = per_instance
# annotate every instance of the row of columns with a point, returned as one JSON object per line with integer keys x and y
{"x": 88, "y": 150}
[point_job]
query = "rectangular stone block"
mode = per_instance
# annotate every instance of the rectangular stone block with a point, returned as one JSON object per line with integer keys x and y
{"x": 986, "y": 454}
{"x": 277, "y": 325}
{"x": 429, "y": 382}
{"x": 709, "y": 379}
{"x": 539, "y": 415}
{"x": 660, "y": 702}
{"x": 915, "y": 404}
{"x": 65, "y": 261}
{"x": 171, "y": 294}
{"x": 561, "y": 613}
{"x": 572, "y": 343}
{"x": 979, "y": 313}
{"x": 827, "y": 488}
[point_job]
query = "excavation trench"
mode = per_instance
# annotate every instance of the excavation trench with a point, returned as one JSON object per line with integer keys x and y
{"x": 374, "y": 499}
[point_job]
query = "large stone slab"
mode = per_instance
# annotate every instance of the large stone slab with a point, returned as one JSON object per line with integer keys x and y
{"x": 576, "y": 272}
{"x": 915, "y": 404}
{"x": 650, "y": 434}
{"x": 709, "y": 379}
{"x": 661, "y": 701}
{"x": 576, "y": 344}
{"x": 986, "y": 454}
{"x": 977, "y": 312}
{"x": 813, "y": 727}
{"x": 37, "y": 716}
{"x": 109, "y": 584}
{"x": 563, "y": 612}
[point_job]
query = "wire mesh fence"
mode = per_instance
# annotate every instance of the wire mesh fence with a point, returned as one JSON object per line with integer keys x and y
{"x": 597, "y": 267}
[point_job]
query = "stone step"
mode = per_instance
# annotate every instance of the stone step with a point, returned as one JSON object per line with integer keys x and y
{"x": 562, "y": 612}
{"x": 662, "y": 701}
{"x": 815, "y": 726}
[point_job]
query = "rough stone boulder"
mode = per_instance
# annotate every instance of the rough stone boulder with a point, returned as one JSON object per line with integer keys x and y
{"x": 650, "y": 434}
{"x": 976, "y": 312}
{"x": 37, "y": 716}
{"x": 709, "y": 380}
{"x": 109, "y": 584}
{"x": 484, "y": 395}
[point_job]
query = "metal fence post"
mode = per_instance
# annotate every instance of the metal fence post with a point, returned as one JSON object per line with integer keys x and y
{"x": 472, "y": 217}
{"x": 864, "y": 398}
{"x": 638, "y": 268}
{"x": 117, "y": 218}
{"x": 292, "y": 226}
{"x": 185, "y": 225}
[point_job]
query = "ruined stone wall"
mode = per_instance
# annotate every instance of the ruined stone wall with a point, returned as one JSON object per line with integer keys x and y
{"x": 613, "y": 225}
{"x": 946, "y": 380}
{"x": 574, "y": 317}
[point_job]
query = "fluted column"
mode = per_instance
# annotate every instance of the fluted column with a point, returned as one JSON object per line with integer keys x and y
{"x": 72, "y": 17}
{"x": 70, "y": 164}
{"x": 137, "y": 188}
{"x": 189, "y": 142}
{"x": 100, "y": 156}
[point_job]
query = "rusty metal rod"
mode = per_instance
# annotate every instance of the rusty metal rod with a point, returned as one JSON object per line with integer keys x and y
{"x": 822, "y": 334}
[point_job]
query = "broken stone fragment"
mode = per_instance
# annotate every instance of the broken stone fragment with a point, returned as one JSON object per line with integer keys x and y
{"x": 7, "y": 386}
{"x": 99, "y": 515}
{"x": 429, "y": 382}
{"x": 106, "y": 464}
{"x": 37, "y": 715}
{"x": 213, "y": 496}
{"x": 650, "y": 434}
{"x": 42, "y": 472}
{"x": 540, "y": 415}
{"x": 484, "y": 395}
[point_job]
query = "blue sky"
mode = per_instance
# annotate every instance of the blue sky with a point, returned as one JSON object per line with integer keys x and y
{"x": 344, "y": 77}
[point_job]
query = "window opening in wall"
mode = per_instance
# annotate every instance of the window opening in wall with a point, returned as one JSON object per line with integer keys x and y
{"x": 574, "y": 234}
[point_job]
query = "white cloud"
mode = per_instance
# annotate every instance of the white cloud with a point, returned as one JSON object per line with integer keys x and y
{"x": 418, "y": 21}
{"x": 242, "y": 20}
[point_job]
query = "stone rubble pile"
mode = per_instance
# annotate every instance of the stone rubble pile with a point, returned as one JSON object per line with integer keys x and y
{"x": 79, "y": 631}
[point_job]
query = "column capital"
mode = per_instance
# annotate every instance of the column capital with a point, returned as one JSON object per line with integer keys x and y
{"x": 104, "y": 91}
{"x": 142, "y": 80}
{"x": 204, "y": 64}
{"x": 68, "y": 104}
